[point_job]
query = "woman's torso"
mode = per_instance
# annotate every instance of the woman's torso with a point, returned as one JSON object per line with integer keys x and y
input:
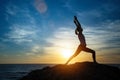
{"x": 82, "y": 39}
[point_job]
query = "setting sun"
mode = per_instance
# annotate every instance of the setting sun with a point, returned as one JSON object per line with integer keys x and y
{"x": 66, "y": 53}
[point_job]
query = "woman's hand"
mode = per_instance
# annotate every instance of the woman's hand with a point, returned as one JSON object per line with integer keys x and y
{"x": 75, "y": 18}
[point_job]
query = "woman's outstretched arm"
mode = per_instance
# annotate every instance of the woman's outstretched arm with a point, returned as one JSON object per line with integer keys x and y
{"x": 77, "y": 23}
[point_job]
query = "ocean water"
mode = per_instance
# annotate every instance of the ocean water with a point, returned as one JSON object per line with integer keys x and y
{"x": 16, "y": 71}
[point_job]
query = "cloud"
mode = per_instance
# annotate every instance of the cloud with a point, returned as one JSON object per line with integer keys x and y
{"x": 105, "y": 37}
{"x": 65, "y": 38}
{"x": 41, "y": 6}
{"x": 17, "y": 14}
{"x": 62, "y": 35}
{"x": 111, "y": 31}
{"x": 35, "y": 50}
{"x": 21, "y": 33}
{"x": 23, "y": 25}
{"x": 62, "y": 39}
{"x": 101, "y": 12}
{"x": 12, "y": 9}
{"x": 87, "y": 14}
{"x": 67, "y": 4}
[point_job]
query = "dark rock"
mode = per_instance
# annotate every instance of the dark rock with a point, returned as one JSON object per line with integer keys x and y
{"x": 77, "y": 71}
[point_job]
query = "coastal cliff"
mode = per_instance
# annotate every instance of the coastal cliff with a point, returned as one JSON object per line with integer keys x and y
{"x": 77, "y": 71}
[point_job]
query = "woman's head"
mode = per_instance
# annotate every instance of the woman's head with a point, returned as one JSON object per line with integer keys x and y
{"x": 79, "y": 30}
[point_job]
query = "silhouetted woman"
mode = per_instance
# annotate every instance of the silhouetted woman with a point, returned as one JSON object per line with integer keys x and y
{"x": 82, "y": 46}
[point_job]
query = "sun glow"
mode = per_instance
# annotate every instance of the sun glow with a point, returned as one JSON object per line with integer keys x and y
{"x": 66, "y": 53}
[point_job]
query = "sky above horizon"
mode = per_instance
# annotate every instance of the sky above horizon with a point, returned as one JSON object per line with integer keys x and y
{"x": 42, "y": 31}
